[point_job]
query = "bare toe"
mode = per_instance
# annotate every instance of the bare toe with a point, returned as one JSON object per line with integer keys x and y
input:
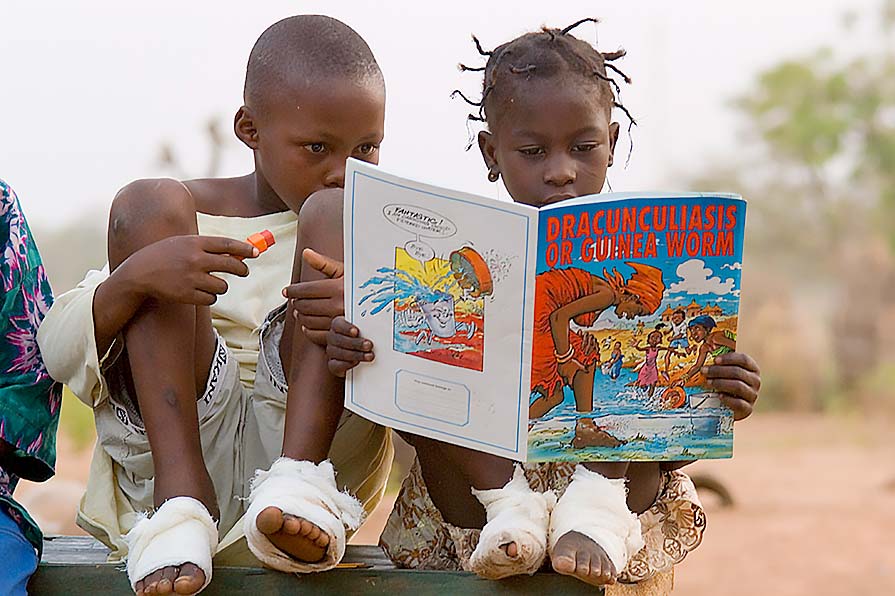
{"x": 166, "y": 584}
{"x": 311, "y": 532}
{"x": 292, "y": 525}
{"x": 299, "y": 538}
{"x": 577, "y": 555}
{"x": 190, "y": 579}
{"x": 150, "y": 582}
{"x": 563, "y": 564}
{"x": 511, "y": 549}
{"x": 270, "y": 520}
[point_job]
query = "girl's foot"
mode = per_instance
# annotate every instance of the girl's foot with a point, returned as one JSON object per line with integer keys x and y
{"x": 514, "y": 541}
{"x": 577, "y": 555}
{"x": 593, "y": 534}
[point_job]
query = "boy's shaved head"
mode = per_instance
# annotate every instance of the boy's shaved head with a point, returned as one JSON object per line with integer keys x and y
{"x": 303, "y": 50}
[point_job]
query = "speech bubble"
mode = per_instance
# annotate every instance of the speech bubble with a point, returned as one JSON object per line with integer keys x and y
{"x": 419, "y": 221}
{"x": 420, "y": 251}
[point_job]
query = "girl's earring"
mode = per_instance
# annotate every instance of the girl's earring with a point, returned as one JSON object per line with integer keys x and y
{"x": 493, "y": 174}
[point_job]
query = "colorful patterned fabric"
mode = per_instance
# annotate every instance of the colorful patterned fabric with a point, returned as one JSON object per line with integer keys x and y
{"x": 29, "y": 398}
{"x": 416, "y": 536}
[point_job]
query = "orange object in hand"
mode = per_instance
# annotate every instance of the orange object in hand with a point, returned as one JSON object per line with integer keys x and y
{"x": 261, "y": 240}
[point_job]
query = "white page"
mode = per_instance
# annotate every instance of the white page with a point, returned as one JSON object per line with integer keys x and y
{"x": 452, "y": 363}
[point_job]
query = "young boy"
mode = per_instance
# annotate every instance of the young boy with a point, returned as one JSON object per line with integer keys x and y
{"x": 181, "y": 348}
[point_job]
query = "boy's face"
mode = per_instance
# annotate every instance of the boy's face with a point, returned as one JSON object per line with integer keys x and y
{"x": 698, "y": 332}
{"x": 304, "y": 136}
{"x": 552, "y": 140}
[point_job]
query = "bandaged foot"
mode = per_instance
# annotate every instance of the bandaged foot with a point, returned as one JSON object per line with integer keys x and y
{"x": 179, "y": 540}
{"x": 297, "y": 516}
{"x": 514, "y": 540}
{"x": 593, "y": 534}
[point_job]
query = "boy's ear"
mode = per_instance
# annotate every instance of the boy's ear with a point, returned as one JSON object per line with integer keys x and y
{"x": 613, "y": 139}
{"x": 245, "y": 128}
{"x": 488, "y": 149}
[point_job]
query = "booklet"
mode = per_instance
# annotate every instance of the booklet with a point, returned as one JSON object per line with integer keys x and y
{"x": 574, "y": 332}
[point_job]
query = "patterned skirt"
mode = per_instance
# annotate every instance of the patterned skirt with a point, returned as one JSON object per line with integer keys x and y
{"x": 417, "y": 537}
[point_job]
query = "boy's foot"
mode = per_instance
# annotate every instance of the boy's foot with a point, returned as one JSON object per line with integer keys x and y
{"x": 170, "y": 552}
{"x": 588, "y": 434}
{"x": 577, "y": 555}
{"x": 293, "y": 535}
{"x": 297, "y": 517}
{"x": 185, "y": 579}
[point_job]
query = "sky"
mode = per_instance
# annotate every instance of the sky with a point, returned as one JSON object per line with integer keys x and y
{"x": 92, "y": 89}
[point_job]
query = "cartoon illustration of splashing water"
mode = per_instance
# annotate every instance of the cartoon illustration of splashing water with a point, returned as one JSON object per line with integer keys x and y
{"x": 438, "y": 304}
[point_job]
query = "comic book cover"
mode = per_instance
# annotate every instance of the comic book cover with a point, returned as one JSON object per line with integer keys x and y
{"x": 634, "y": 295}
{"x": 572, "y": 333}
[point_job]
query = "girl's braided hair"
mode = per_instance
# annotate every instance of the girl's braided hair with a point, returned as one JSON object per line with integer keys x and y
{"x": 545, "y": 53}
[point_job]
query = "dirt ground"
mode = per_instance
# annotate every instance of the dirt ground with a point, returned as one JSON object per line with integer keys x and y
{"x": 814, "y": 509}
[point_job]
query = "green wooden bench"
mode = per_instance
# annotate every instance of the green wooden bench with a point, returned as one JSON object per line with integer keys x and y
{"x": 77, "y": 565}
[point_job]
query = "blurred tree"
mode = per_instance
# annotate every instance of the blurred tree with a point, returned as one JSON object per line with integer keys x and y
{"x": 821, "y": 184}
{"x": 65, "y": 266}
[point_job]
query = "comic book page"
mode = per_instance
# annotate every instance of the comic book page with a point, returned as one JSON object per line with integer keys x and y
{"x": 442, "y": 282}
{"x": 634, "y": 294}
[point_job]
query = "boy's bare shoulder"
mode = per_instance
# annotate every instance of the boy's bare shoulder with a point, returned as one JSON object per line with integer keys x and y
{"x": 152, "y": 187}
{"x": 214, "y": 196}
{"x": 224, "y": 196}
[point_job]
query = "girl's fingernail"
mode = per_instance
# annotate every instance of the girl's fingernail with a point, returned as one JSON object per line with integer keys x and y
{"x": 354, "y": 332}
{"x": 255, "y": 252}
{"x": 704, "y": 370}
{"x": 368, "y": 357}
{"x": 368, "y": 346}
{"x": 284, "y": 292}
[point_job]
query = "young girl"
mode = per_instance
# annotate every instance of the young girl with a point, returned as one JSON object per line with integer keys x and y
{"x": 649, "y": 372}
{"x": 547, "y": 102}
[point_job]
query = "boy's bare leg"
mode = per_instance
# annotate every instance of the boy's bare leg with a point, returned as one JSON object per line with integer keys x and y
{"x": 169, "y": 348}
{"x": 315, "y": 399}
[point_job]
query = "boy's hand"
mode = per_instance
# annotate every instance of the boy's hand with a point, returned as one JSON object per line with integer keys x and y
{"x": 179, "y": 268}
{"x": 738, "y": 378}
{"x": 316, "y": 303}
{"x": 345, "y": 348}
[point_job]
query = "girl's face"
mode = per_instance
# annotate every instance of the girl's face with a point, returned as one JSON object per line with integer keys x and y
{"x": 551, "y": 140}
{"x": 654, "y": 338}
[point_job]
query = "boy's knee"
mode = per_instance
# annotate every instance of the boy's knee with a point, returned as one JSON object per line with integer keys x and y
{"x": 160, "y": 207}
{"x": 321, "y": 213}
